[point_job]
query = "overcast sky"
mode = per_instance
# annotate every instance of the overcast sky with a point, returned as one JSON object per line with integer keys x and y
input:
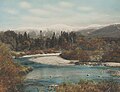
{"x": 36, "y": 13}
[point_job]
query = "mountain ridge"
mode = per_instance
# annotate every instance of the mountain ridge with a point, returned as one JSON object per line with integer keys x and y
{"x": 108, "y": 31}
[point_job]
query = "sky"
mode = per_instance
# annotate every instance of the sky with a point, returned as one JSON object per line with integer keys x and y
{"x": 37, "y": 13}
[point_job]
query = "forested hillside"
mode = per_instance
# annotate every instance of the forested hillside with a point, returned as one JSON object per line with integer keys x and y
{"x": 72, "y": 45}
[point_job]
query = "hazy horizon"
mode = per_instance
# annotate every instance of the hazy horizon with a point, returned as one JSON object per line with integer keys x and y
{"x": 41, "y": 13}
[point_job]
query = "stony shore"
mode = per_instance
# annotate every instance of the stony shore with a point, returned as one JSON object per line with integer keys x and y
{"x": 51, "y": 60}
{"x": 55, "y": 59}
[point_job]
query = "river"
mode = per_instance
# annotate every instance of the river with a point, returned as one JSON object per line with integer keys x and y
{"x": 43, "y": 75}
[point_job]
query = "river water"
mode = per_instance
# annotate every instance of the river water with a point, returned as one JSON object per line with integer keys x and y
{"x": 42, "y": 76}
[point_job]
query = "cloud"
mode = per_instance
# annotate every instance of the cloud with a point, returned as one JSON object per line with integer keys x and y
{"x": 50, "y": 15}
{"x": 53, "y": 8}
{"x": 25, "y": 5}
{"x": 85, "y": 8}
{"x": 65, "y": 4}
{"x": 74, "y": 20}
{"x": 56, "y": 10}
{"x": 47, "y": 10}
{"x": 37, "y": 11}
{"x": 10, "y": 11}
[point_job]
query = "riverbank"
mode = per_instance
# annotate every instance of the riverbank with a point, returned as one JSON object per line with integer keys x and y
{"x": 111, "y": 64}
{"x": 11, "y": 74}
{"x": 89, "y": 86}
{"x": 31, "y": 53}
{"x": 51, "y": 60}
{"x": 41, "y": 55}
{"x": 46, "y": 75}
{"x": 55, "y": 59}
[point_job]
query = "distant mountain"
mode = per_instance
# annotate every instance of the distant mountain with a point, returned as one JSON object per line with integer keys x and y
{"x": 108, "y": 31}
{"x": 47, "y": 31}
{"x": 112, "y": 30}
{"x": 89, "y": 29}
{"x": 86, "y": 32}
{"x": 54, "y": 28}
{"x": 61, "y": 27}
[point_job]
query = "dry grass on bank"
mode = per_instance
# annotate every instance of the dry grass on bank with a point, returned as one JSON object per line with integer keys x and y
{"x": 9, "y": 71}
{"x": 89, "y": 87}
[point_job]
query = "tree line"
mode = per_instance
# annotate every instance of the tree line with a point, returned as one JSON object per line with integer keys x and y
{"x": 22, "y": 42}
{"x": 75, "y": 46}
